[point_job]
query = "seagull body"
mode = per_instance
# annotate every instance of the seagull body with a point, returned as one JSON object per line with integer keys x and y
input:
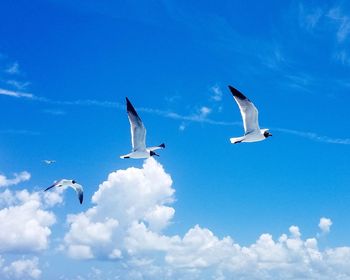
{"x": 252, "y": 131}
{"x": 138, "y": 136}
{"x": 49, "y": 161}
{"x": 69, "y": 183}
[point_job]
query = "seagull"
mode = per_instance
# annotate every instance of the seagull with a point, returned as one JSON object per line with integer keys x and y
{"x": 138, "y": 136}
{"x": 49, "y": 161}
{"x": 252, "y": 131}
{"x": 69, "y": 183}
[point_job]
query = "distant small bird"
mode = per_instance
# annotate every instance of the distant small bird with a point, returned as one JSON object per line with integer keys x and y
{"x": 252, "y": 131}
{"x": 69, "y": 183}
{"x": 49, "y": 161}
{"x": 138, "y": 136}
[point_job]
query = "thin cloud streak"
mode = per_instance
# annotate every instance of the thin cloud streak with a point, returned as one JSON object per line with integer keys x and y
{"x": 16, "y": 94}
{"x": 315, "y": 137}
{"x": 19, "y": 131}
{"x": 198, "y": 118}
{"x": 13, "y": 69}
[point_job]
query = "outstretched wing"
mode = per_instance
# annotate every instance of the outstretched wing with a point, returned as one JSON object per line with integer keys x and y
{"x": 161, "y": 146}
{"x": 138, "y": 130}
{"x": 248, "y": 111}
{"x": 79, "y": 190}
{"x": 53, "y": 185}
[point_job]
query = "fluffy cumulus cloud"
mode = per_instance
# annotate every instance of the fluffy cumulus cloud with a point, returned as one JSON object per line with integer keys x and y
{"x": 325, "y": 225}
{"x": 17, "y": 178}
{"x": 128, "y": 198}
{"x": 26, "y": 221}
{"x": 20, "y": 269}
{"x": 126, "y": 224}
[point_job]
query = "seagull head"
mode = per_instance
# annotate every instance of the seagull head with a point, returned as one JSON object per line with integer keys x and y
{"x": 73, "y": 181}
{"x": 153, "y": 154}
{"x": 267, "y": 133}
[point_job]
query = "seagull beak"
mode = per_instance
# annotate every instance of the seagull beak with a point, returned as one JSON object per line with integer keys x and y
{"x": 270, "y": 134}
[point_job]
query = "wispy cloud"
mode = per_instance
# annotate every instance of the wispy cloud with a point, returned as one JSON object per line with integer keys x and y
{"x": 79, "y": 102}
{"x": 19, "y": 131}
{"x": 217, "y": 93}
{"x": 17, "y": 94}
{"x": 18, "y": 178}
{"x": 273, "y": 58}
{"x": 343, "y": 57}
{"x": 343, "y": 21}
{"x": 56, "y": 112}
{"x": 201, "y": 116}
{"x": 315, "y": 137}
{"x": 182, "y": 127}
{"x": 309, "y": 18}
{"x": 13, "y": 68}
{"x": 17, "y": 84}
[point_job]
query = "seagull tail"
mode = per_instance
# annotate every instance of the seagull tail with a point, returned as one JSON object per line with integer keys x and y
{"x": 236, "y": 140}
{"x": 125, "y": 156}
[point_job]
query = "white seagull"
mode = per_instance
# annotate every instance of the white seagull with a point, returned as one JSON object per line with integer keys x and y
{"x": 69, "y": 183}
{"x": 138, "y": 136}
{"x": 49, "y": 161}
{"x": 252, "y": 131}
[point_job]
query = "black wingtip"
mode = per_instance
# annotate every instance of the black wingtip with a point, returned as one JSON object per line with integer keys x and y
{"x": 81, "y": 199}
{"x": 128, "y": 103}
{"x": 50, "y": 187}
{"x": 235, "y": 92}
{"x": 162, "y": 145}
{"x": 129, "y": 107}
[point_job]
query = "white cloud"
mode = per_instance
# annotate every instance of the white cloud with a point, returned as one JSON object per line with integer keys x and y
{"x": 343, "y": 22}
{"x": 18, "y": 178}
{"x": 217, "y": 93}
{"x": 17, "y": 84}
{"x": 25, "y": 222}
{"x": 343, "y": 57}
{"x": 127, "y": 197}
{"x": 204, "y": 112}
{"x": 56, "y": 112}
{"x": 13, "y": 68}
{"x": 315, "y": 137}
{"x": 325, "y": 225}
{"x": 16, "y": 94}
{"x": 182, "y": 127}
{"x": 19, "y": 131}
{"x": 127, "y": 221}
{"x": 53, "y": 197}
{"x": 21, "y": 269}
{"x": 309, "y": 18}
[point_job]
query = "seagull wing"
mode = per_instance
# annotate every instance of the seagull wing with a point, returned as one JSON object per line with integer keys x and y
{"x": 138, "y": 130}
{"x": 53, "y": 185}
{"x": 248, "y": 111}
{"x": 161, "y": 146}
{"x": 79, "y": 190}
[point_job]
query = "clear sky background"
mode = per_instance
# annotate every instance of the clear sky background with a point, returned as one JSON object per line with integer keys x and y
{"x": 65, "y": 70}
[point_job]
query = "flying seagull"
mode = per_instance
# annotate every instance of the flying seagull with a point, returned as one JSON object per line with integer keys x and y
{"x": 69, "y": 183}
{"x": 252, "y": 131}
{"x": 49, "y": 161}
{"x": 138, "y": 136}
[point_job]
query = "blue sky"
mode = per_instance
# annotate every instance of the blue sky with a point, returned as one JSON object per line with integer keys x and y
{"x": 65, "y": 70}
